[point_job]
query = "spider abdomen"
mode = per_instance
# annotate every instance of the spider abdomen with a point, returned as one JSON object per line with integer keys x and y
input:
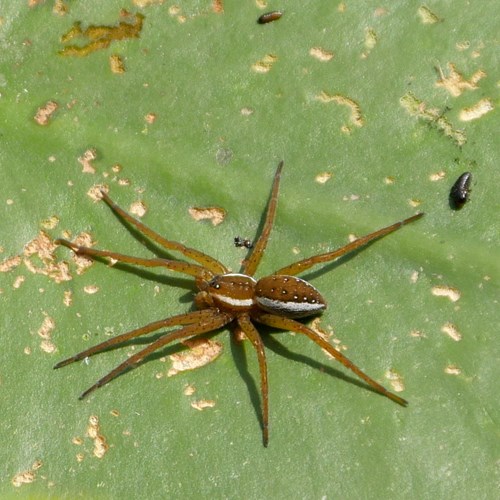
{"x": 288, "y": 296}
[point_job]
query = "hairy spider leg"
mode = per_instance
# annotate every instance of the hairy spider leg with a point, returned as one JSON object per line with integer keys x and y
{"x": 294, "y": 326}
{"x": 253, "y": 335}
{"x": 251, "y": 262}
{"x": 205, "y": 260}
{"x": 174, "y": 265}
{"x": 218, "y": 321}
{"x": 204, "y": 316}
{"x": 302, "y": 265}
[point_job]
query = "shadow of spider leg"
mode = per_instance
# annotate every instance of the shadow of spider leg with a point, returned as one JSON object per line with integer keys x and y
{"x": 174, "y": 265}
{"x": 205, "y": 260}
{"x": 201, "y": 317}
{"x": 302, "y": 265}
{"x": 218, "y": 321}
{"x": 283, "y": 323}
{"x": 197, "y": 322}
{"x": 250, "y": 263}
{"x": 253, "y": 335}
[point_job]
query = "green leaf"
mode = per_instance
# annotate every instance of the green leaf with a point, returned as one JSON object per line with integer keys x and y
{"x": 207, "y": 106}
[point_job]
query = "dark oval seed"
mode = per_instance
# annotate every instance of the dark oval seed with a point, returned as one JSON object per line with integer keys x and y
{"x": 269, "y": 17}
{"x": 460, "y": 191}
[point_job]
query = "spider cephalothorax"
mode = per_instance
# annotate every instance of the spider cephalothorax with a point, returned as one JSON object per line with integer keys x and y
{"x": 230, "y": 299}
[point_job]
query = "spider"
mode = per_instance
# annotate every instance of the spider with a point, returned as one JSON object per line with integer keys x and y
{"x": 235, "y": 300}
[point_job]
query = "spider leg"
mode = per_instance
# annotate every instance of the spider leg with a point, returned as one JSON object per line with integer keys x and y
{"x": 302, "y": 265}
{"x": 252, "y": 261}
{"x": 174, "y": 265}
{"x": 217, "y": 321}
{"x": 180, "y": 319}
{"x": 253, "y": 335}
{"x": 205, "y": 260}
{"x": 294, "y": 326}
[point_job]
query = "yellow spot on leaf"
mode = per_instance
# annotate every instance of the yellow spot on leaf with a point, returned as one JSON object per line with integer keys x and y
{"x": 427, "y": 16}
{"x": 200, "y": 353}
{"x": 138, "y": 208}
{"x": 60, "y": 8}
{"x": 27, "y": 476}
{"x": 48, "y": 325}
{"x": 451, "y": 330}
{"x": 446, "y": 291}
{"x": 437, "y": 176}
{"x": 95, "y": 191}
{"x": 321, "y": 54}
{"x": 189, "y": 390}
{"x": 477, "y": 111}
{"x": 147, "y": 3}
{"x": 215, "y": 214}
{"x": 68, "y": 298}
{"x": 18, "y": 282}
{"x": 202, "y": 404}
{"x": 90, "y": 289}
{"x": 45, "y": 112}
{"x": 100, "y": 37}
{"x": 86, "y": 159}
{"x": 396, "y": 380}
{"x": 83, "y": 263}
{"x": 452, "y": 370}
{"x": 356, "y": 117}
{"x": 150, "y": 118}
{"x": 419, "y": 109}
{"x": 417, "y": 334}
{"x": 370, "y": 38}
{"x": 94, "y": 433}
{"x": 323, "y": 177}
{"x": 328, "y": 336}
{"x": 39, "y": 259}
{"x": 116, "y": 64}
{"x": 50, "y": 223}
{"x": 10, "y": 263}
{"x": 218, "y": 6}
{"x": 455, "y": 83}
{"x": 45, "y": 333}
{"x": 265, "y": 64}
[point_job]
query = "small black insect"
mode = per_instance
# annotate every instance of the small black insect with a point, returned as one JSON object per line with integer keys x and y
{"x": 460, "y": 191}
{"x": 242, "y": 242}
{"x": 269, "y": 17}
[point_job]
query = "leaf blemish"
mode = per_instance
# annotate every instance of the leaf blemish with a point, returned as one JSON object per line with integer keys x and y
{"x": 200, "y": 353}
{"x": 433, "y": 116}
{"x": 455, "y": 83}
{"x": 100, "y": 37}
{"x": 215, "y": 214}
{"x": 265, "y": 64}
{"x": 396, "y": 380}
{"x": 45, "y": 113}
{"x": 476, "y": 111}
{"x": 446, "y": 291}
{"x": 93, "y": 432}
{"x": 356, "y": 116}
{"x": 451, "y": 330}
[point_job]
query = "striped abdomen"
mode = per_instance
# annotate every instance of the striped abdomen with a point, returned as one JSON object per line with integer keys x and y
{"x": 288, "y": 296}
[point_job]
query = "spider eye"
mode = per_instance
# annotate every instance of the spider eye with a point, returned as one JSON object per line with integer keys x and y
{"x": 214, "y": 283}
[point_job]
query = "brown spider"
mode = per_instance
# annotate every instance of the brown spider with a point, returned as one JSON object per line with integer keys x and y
{"x": 233, "y": 299}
